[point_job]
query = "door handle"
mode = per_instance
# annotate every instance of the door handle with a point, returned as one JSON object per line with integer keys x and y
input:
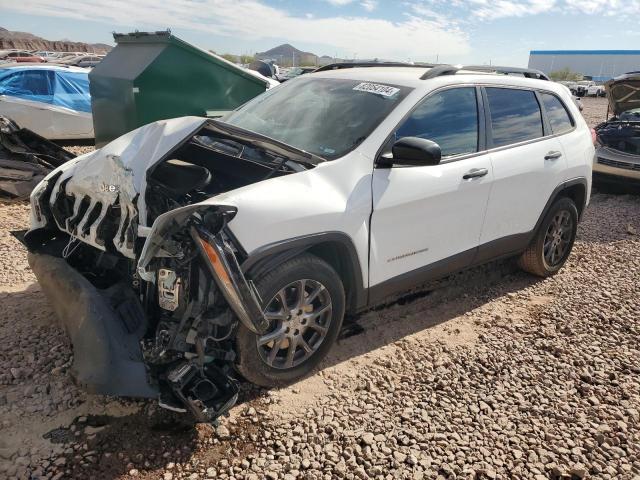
{"x": 553, "y": 155}
{"x": 475, "y": 173}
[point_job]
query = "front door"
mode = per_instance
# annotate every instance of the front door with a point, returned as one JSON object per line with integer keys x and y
{"x": 427, "y": 220}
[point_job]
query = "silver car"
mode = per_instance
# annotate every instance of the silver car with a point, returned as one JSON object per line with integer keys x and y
{"x": 618, "y": 139}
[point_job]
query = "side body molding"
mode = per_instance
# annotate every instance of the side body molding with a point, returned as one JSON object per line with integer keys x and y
{"x": 500, "y": 248}
{"x": 515, "y": 244}
{"x": 361, "y": 296}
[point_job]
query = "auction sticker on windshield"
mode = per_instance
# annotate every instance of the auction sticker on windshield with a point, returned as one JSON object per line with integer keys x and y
{"x": 384, "y": 90}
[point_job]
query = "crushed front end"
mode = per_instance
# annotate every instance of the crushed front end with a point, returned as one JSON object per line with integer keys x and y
{"x": 151, "y": 310}
{"x": 168, "y": 338}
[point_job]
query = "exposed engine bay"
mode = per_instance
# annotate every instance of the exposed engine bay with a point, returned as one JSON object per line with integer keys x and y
{"x": 621, "y": 133}
{"x": 145, "y": 279}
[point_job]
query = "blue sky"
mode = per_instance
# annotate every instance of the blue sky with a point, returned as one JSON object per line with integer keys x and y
{"x": 453, "y": 31}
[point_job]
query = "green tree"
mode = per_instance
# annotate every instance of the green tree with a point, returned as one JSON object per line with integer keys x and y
{"x": 230, "y": 57}
{"x": 565, "y": 75}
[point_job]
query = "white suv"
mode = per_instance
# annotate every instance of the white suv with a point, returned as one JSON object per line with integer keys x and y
{"x": 596, "y": 90}
{"x": 192, "y": 248}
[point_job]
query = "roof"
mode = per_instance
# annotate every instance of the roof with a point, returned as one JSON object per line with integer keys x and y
{"x": 584, "y": 52}
{"x": 409, "y": 76}
{"x": 41, "y": 66}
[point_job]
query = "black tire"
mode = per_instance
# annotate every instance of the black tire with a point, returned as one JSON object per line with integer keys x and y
{"x": 534, "y": 259}
{"x": 251, "y": 362}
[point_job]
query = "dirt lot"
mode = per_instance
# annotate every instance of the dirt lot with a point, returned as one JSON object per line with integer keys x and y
{"x": 495, "y": 374}
{"x": 595, "y": 110}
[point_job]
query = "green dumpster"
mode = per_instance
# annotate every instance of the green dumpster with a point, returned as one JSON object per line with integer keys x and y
{"x": 153, "y": 76}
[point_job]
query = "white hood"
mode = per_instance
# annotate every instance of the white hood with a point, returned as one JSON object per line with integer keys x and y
{"x": 117, "y": 171}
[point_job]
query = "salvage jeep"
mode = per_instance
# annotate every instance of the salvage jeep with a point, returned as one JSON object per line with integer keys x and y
{"x": 193, "y": 251}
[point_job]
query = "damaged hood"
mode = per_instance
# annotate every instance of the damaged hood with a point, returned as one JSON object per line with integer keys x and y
{"x": 623, "y": 93}
{"x": 116, "y": 174}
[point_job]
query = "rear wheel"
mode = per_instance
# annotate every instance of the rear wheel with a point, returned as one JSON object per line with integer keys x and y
{"x": 303, "y": 299}
{"x": 554, "y": 240}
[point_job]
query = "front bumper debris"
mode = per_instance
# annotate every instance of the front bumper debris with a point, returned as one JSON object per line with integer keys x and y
{"x": 182, "y": 355}
{"x": 241, "y": 296}
{"x": 105, "y": 328}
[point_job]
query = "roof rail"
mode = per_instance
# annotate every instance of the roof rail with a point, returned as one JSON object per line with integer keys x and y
{"x": 525, "y": 72}
{"x": 340, "y": 66}
{"x": 439, "y": 70}
{"x": 445, "y": 69}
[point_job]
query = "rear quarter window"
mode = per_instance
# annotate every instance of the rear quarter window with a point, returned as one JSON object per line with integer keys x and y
{"x": 557, "y": 114}
{"x": 515, "y": 115}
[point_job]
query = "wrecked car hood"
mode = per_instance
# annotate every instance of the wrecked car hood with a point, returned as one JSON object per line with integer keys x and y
{"x": 623, "y": 93}
{"x": 102, "y": 198}
{"x": 115, "y": 175}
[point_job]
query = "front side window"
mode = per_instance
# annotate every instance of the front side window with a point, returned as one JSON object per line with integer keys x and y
{"x": 325, "y": 116}
{"x": 449, "y": 118}
{"x": 557, "y": 114}
{"x": 515, "y": 116}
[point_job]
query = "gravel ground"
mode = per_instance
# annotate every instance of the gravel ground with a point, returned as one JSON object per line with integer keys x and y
{"x": 495, "y": 374}
{"x": 595, "y": 110}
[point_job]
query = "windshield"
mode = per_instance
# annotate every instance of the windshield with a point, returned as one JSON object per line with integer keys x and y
{"x": 294, "y": 72}
{"x": 323, "y": 116}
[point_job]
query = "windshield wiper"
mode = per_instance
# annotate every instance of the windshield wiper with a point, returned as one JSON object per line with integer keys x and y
{"x": 270, "y": 144}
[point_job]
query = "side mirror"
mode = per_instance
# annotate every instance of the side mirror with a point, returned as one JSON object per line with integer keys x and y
{"x": 414, "y": 151}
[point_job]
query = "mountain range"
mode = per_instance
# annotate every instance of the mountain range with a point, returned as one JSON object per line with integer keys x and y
{"x": 285, "y": 54}
{"x": 28, "y": 41}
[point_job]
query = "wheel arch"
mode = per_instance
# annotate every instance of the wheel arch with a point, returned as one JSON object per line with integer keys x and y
{"x": 575, "y": 189}
{"x": 335, "y": 248}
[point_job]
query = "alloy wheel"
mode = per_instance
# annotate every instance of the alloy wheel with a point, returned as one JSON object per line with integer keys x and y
{"x": 558, "y": 238}
{"x": 299, "y": 316}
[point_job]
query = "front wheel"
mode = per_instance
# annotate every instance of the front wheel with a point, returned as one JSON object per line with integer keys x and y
{"x": 304, "y": 301}
{"x": 553, "y": 241}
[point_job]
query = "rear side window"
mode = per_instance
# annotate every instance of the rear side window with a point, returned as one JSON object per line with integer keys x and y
{"x": 515, "y": 116}
{"x": 449, "y": 118}
{"x": 557, "y": 114}
{"x": 33, "y": 84}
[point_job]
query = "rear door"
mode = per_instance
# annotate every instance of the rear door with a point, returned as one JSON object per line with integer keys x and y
{"x": 427, "y": 220}
{"x": 528, "y": 164}
{"x": 576, "y": 144}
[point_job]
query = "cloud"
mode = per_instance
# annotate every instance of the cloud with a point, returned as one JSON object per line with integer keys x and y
{"x": 469, "y": 11}
{"x": 340, "y": 3}
{"x": 369, "y": 5}
{"x": 411, "y": 37}
{"x": 473, "y": 11}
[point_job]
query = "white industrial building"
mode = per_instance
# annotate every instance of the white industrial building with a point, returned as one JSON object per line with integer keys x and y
{"x": 600, "y": 65}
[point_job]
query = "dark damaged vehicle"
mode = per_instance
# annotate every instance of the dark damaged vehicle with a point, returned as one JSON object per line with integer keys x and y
{"x": 618, "y": 139}
{"x": 191, "y": 250}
